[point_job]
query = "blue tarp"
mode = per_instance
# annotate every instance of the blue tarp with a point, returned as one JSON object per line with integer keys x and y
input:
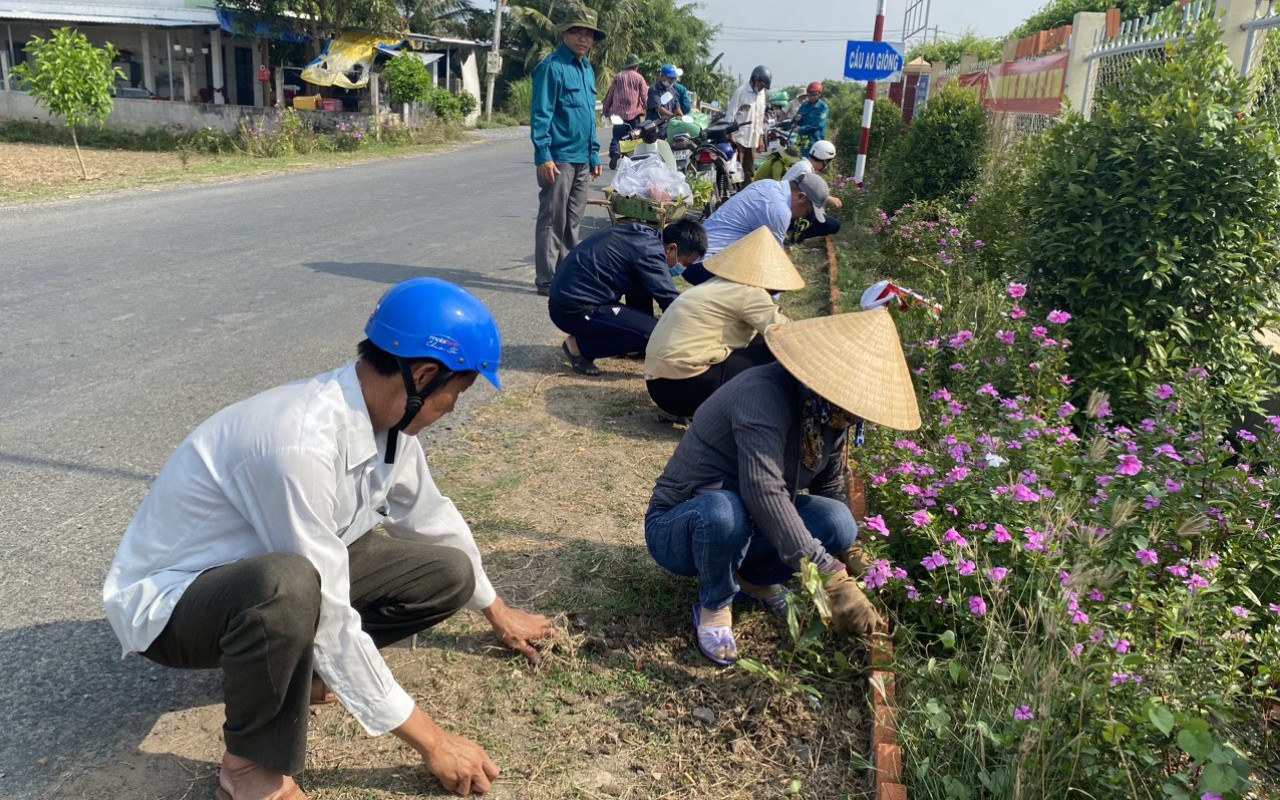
{"x": 244, "y": 25}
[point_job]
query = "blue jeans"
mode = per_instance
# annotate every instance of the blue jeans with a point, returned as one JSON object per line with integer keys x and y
{"x": 712, "y": 536}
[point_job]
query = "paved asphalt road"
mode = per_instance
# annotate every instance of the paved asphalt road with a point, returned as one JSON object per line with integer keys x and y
{"x": 128, "y": 318}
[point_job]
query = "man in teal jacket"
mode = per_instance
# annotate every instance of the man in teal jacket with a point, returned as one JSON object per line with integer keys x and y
{"x": 811, "y": 117}
{"x": 565, "y": 151}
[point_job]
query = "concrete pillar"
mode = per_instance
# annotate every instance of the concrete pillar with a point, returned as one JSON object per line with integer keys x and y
{"x": 967, "y": 63}
{"x": 471, "y": 83}
{"x": 188, "y": 55}
{"x": 215, "y": 63}
{"x": 4, "y": 70}
{"x": 148, "y": 71}
{"x": 259, "y": 97}
{"x": 1231, "y": 15}
{"x": 1085, "y": 27}
{"x": 279, "y": 71}
{"x": 375, "y": 84}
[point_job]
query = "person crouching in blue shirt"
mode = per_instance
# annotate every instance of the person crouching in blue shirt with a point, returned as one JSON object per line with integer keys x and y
{"x": 633, "y": 261}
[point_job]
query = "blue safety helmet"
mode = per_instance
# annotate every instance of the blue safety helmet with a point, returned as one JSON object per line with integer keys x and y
{"x": 431, "y": 318}
{"x": 669, "y": 71}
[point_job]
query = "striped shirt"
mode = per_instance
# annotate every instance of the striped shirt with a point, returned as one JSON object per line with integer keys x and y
{"x": 627, "y": 95}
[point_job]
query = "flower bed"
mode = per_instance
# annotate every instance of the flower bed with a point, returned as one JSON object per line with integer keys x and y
{"x": 1081, "y": 605}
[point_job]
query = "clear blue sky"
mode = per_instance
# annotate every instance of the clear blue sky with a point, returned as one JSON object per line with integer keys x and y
{"x": 751, "y": 30}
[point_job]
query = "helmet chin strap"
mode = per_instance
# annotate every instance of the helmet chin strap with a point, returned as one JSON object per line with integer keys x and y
{"x": 413, "y": 403}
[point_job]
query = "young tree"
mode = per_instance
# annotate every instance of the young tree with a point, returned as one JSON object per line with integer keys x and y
{"x": 949, "y": 51}
{"x": 72, "y": 78}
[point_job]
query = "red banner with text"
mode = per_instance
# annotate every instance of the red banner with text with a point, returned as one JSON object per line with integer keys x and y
{"x": 1033, "y": 86}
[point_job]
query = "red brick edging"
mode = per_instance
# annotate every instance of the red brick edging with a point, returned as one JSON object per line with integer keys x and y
{"x": 886, "y": 755}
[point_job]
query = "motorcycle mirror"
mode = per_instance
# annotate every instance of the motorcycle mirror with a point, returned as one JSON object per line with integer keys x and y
{"x": 615, "y": 119}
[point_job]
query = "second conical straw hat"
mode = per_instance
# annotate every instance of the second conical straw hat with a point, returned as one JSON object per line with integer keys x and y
{"x": 757, "y": 260}
{"x": 854, "y": 360}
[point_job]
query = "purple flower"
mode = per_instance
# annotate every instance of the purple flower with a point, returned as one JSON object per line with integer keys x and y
{"x": 977, "y": 606}
{"x": 1000, "y": 534}
{"x": 1017, "y": 313}
{"x": 1178, "y": 570}
{"x": 979, "y": 243}
{"x": 876, "y": 524}
{"x": 1059, "y": 317}
{"x": 1129, "y": 465}
{"x": 1022, "y": 494}
{"x": 1171, "y": 486}
{"x": 1064, "y": 578}
{"x": 1121, "y": 646}
{"x": 935, "y": 561}
{"x": 941, "y": 394}
{"x": 997, "y": 574}
{"x": 1039, "y": 332}
{"x": 1210, "y": 796}
{"x": 1024, "y": 714}
{"x": 921, "y": 518}
{"x": 1148, "y": 557}
{"x": 1008, "y": 337}
{"x": 1196, "y": 583}
{"x": 1065, "y": 410}
{"x": 960, "y": 339}
{"x": 966, "y": 567}
{"x": 1080, "y": 618}
{"x": 1077, "y": 649}
{"x": 1017, "y": 290}
{"x": 1240, "y": 612}
{"x": 1168, "y": 451}
{"x": 1246, "y": 436}
{"x": 1150, "y": 502}
{"x": 1164, "y": 391}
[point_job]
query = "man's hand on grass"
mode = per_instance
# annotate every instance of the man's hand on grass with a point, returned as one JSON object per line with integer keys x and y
{"x": 518, "y": 629}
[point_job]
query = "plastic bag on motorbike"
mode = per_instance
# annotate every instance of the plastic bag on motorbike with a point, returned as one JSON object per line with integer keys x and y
{"x": 651, "y": 178}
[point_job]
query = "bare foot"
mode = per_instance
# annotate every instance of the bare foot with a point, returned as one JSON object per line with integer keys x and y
{"x": 242, "y": 779}
{"x": 571, "y": 344}
{"x": 320, "y": 694}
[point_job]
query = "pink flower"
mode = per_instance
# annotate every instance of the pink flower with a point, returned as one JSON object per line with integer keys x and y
{"x": 952, "y": 536}
{"x": 1017, "y": 290}
{"x": 1016, "y": 313}
{"x": 1196, "y": 583}
{"x": 1240, "y": 612}
{"x": 1121, "y": 646}
{"x": 977, "y": 606}
{"x": 1164, "y": 391}
{"x": 1168, "y": 451}
{"x": 1210, "y": 796}
{"x": 913, "y": 593}
{"x": 988, "y": 390}
{"x": 1148, "y": 557}
{"x": 997, "y": 574}
{"x": 1059, "y": 317}
{"x": 1150, "y": 502}
{"x": 941, "y": 394}
{"x": 1171, "y": 486}
{"x": 1065, "y": 410}
{"x": 1000, "y": 534}
{"x": 1022, "y": 494}
{"x": 1039, "y": 332}
{"x": 960, "y": 339}
{"x": 1024, "y": 714}
{"x": 1129, "y": 465}
{"x": 966, "y": 567}
{"x": 935, "y": 561}
{"x": 921, "y": 518}
{"x": 876, "y": 524}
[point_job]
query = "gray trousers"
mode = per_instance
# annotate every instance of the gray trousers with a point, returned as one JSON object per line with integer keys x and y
{"x": 256, "y": 619}
{"x": 561, "y": 204}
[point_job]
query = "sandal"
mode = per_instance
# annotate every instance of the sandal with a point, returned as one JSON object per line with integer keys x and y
{"x": 581, "y": 364}
{"x": 716, "y": 643}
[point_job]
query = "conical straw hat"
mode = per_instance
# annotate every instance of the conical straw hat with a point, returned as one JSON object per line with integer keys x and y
{"x": 757, "y": 260}
{"x": 854, "y": 360}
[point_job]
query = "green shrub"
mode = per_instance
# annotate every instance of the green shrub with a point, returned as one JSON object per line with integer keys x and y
{"x": 1156, "y": 224}
{"x": 520, "y": 98}
{"x": 445, "y": 104}
{"x": 942, "y": 152}
{"x": 467, "y": 102}
{"x": 887, "y": 128}
{"x": 31, "y": 132}
{"x": 407, "y": 80}
{"x": 996, "y": 209}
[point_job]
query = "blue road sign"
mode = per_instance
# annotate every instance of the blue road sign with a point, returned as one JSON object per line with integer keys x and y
{"x": 871, "y": 61}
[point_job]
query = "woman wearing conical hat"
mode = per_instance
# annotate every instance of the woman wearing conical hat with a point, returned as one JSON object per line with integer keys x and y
{"x": 708, "y": 334}
{"x": 728, "y": 509}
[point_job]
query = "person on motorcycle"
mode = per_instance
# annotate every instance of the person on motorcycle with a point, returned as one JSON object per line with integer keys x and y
{"x": 819, "y": 159}
{"x": 667, "y": 99}
{"x": 626, "y": 98}
{"x": 811, "y": 117}
{"x": 746, "y": 108}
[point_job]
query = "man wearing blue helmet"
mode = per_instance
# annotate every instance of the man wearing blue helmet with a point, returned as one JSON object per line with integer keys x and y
{"x": 667, "y": 99}
{"x": 254, "y": 551}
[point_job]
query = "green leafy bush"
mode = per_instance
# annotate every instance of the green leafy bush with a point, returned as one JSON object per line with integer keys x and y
{"x": 887, "y": 128}
{"x": 942, "y": 152}
{"x": 996, "y": 215}
{"x": 520, "y": 99}
{"x": 467, "y": 102}
{"x": 407, "y": 80}
{"x": 445, "y": 104}
{"x": 1156, "y": 224}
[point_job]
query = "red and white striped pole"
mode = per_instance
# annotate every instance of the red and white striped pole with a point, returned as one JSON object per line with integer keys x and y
{"x": 868, "y": 105}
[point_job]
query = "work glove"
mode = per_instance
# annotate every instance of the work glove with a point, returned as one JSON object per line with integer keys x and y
{"x": 851, "y": 612}
{"x": 856, "y": 560}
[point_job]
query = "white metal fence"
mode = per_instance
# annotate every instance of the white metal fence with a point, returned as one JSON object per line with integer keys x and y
{"x": 1113, "y": 57}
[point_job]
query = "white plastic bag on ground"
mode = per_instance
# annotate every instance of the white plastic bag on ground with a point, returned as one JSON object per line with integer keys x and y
{"x": 651, "y": 178}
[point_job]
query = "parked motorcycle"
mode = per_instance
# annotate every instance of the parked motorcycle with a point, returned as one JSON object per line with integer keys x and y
{"x": 712, "y": 159}
{"x": 780, "y": 136}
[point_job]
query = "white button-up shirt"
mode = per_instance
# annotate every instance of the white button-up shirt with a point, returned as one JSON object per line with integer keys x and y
{"x": 752, "y": 118}
{"x": 295, "y": 469}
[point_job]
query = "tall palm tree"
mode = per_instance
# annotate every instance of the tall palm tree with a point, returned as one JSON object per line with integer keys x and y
{"x": 436, "y": 17}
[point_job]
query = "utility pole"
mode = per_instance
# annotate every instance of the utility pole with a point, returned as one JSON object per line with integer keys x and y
{"x": 494, "y": 63}
{"x": 869, "y": 104}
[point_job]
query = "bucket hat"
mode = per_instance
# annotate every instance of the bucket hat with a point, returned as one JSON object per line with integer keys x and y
{"x": 854, "y": 360}
{"x": 756, "y": 260}
{"x": 584, "y": 18}
{"x": 633, "y": 60}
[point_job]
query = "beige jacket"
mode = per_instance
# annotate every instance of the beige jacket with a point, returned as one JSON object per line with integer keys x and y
{"x": 704, "y": 324}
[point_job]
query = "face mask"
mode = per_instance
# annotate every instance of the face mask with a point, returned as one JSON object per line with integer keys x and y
{"x": 677, "y": 270}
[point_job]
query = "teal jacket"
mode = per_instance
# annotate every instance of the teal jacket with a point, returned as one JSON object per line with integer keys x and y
{"x": 813, "y": 119}
{"x": 563, "y": 117}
